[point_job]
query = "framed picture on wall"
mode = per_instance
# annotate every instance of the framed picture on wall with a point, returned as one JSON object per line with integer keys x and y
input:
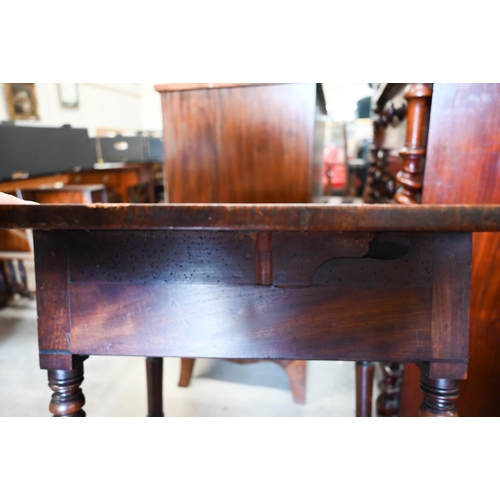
{"x": 21, "y": 101}
{"x": 68, "y": 94}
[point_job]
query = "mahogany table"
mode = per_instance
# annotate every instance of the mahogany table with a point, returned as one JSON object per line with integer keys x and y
{"x": 363, "y": 283}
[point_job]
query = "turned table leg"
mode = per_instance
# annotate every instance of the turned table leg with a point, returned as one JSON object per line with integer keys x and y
{"x": 364, "y": 388}
{"x": 154, "y": 374}
{"x": 439, "y": 397}
{"x": 68, "y": 398}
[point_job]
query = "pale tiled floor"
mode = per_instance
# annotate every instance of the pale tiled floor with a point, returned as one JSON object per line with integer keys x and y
{"x": 116, "y": 386}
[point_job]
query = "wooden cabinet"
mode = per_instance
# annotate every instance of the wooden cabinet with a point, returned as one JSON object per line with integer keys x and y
{"x": 238, "y": 143}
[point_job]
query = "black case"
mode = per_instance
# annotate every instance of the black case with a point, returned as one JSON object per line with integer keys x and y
{"x": 44, "y": 150}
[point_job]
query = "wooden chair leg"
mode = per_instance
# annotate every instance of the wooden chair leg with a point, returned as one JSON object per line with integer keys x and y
{"x": 187, "y": 365}
{"x": 296, "y": 371}
{"x": 364, "y": 388}
{"x": 154, "y": 375}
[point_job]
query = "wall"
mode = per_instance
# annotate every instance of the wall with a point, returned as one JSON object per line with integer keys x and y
{"x": 134, "y": 106}
{"x": 341, "y": 99}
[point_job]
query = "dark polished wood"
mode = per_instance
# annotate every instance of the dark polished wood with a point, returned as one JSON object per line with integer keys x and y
{"x": 68, "y": 398}
{"x": 364, "y": 388}
{"x": 238, "y": 143}
{"x": 463, "y": 167}
{"x": 183, "y": 284}
{"x": 154, "y": 375}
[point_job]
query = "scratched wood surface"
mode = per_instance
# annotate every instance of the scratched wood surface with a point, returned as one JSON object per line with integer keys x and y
{"x": 254, "y": 217}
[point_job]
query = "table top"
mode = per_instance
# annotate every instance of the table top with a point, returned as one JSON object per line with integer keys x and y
{"x": 253, "y": 217}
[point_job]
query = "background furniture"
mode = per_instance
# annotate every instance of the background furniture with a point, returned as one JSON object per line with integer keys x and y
{"x": 404, "y": 270}
{"x": 239, "y": 143}
{"x": 12, "y": 185}
{"x": 16, "y": 246}
{"x": 69, "y": 194}
{"x": 125, "y": 182}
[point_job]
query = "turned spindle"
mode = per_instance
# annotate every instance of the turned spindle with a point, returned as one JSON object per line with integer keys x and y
{"x": 409, "y": 191}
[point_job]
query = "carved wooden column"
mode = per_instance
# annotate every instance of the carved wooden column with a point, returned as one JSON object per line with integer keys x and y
{"x": 418, "y": 96}
{"x": 68, "y": 398}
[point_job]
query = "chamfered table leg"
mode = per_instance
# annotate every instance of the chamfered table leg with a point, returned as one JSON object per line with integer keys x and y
{"x": 439, "y": 396}
{"x": 68, "y": 398}
{"x": 154, "y": 374}
{"x": 364, "y": 388}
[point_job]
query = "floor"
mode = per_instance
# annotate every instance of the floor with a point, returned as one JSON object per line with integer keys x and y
{"x": 116, "y": 386}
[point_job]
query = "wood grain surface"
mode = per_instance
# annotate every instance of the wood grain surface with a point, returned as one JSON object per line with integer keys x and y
{"x": 201, "y": 321}
{"x": 239, "y": 143}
